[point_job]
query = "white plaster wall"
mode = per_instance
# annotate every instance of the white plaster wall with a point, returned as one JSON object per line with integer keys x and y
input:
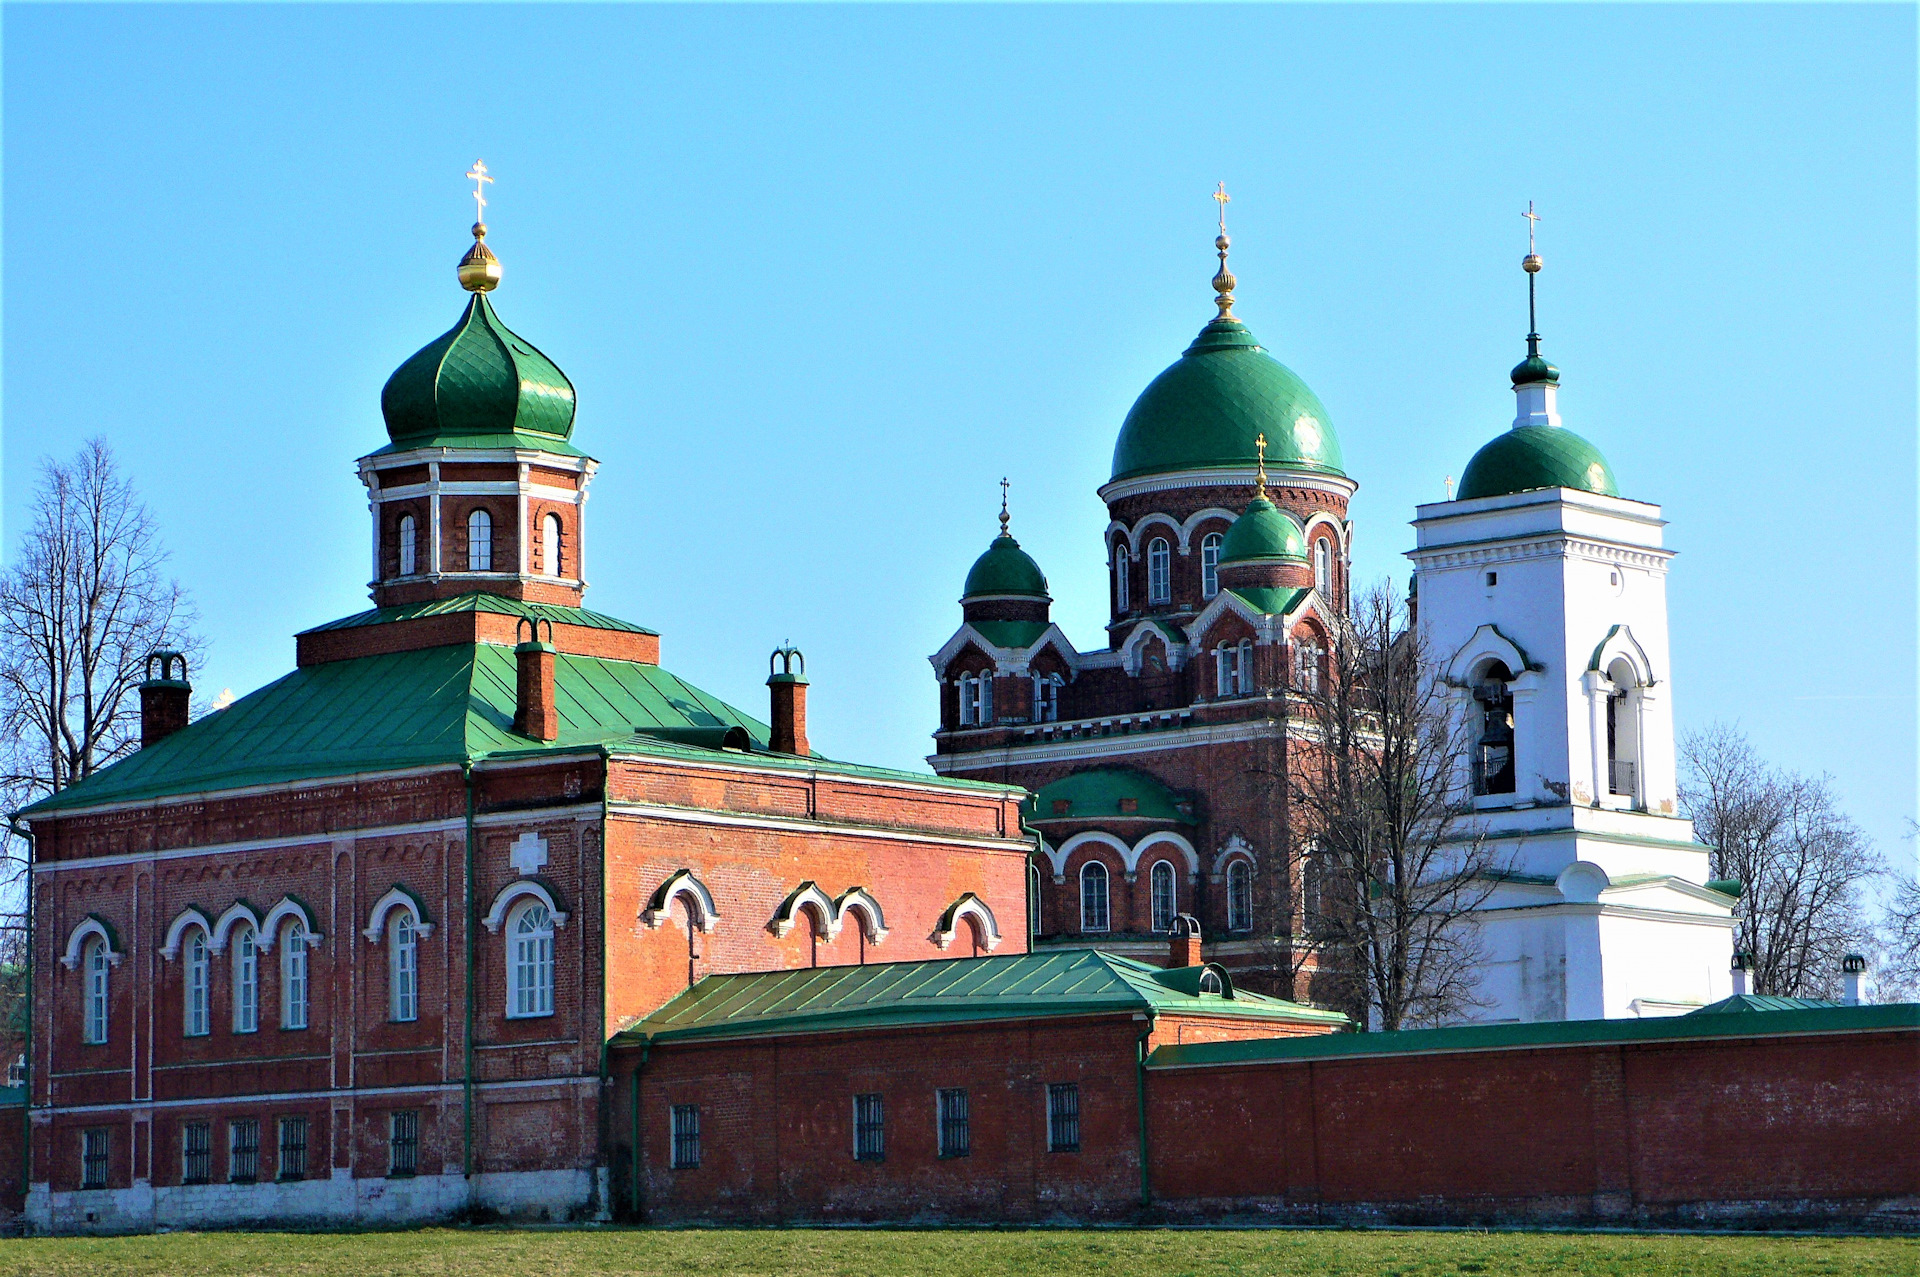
{"x": 1664, "y": 962}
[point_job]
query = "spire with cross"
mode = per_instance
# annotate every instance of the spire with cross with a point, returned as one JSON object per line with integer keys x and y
{"x": 1260, "y": 474}
{"x": 478, "y": 176}
{"x": 1223, "y": 281}
{"x": 1531, "y": 264}
{"x": 1003, "y": 506}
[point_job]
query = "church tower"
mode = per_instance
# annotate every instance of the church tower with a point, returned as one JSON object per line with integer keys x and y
{"x": 1542, "y": 599}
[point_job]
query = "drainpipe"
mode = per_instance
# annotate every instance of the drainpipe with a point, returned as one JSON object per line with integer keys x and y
{"x": 25, "y": 832}
{"x": 1140, "y": 1089}
{"x": 466, "y": 1160}
{"x": 633, "y": 1186}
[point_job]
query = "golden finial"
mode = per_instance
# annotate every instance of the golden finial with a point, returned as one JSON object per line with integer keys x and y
{"x": 1223, "y": 281}
{"x": 1003, "y": 507}
{"x": 1260, "y": 475}
{"x": 1531, "y": 262}
{"x": 479, "y": 269}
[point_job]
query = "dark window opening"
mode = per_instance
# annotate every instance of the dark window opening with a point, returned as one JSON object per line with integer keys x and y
{"x": 956, "y": 1136}
{"x": 403, "y": 1145}
{"x": 243, "y": 1155}
{"x": 1493, "y": 756}
{"x": 196, "y": 1153}
{"x": 686, "y": 1136}
{"x": 1063, "y": 1117}
{"x": 293, "y": 1148}
{"x": 93, "y": 1157}
{"x": 869, "y": 1128}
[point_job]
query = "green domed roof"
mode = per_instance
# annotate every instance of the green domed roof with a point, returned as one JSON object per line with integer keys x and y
{"x": 1207, "y": 409}
{"x": 1264, "y": 531}
{"x": 1005, "y": 569}
{"x": 478, "y": 385}
{"x": 1529, "y": 457}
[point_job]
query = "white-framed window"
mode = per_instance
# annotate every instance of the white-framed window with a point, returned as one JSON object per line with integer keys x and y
{"x": 1166, "y": 903}
{"x": 1159, "y": 571}
{"x": 1239, "y": 896}
{"x": 1243, "y": 668}
{"x": 1122, "y": 568}
{"x": 293, "y": 976}
{"x": 246, "y": 980}
{"x": 403, "y": 968}
{"x": 976, "y": 699}
{"x": 1223, "y": 670}
{"x": 479, "y": 542}
{"x": 1306, "y": 664}
{"x": 1046, "y": 698}
{"x": 550, "y": 545}
{"x": 198, "y": 976}
{"x": 1094, "y": 915}
{"x": 529, "y": 960}
{"x": 94, "y": 963}
{"x": 1210, "y": 565}
{"x": 1063, "y": 1117}
{"x": 1323, "y": 566}
{"x": 409, "y": 546}
{"x": 966, "y": 700}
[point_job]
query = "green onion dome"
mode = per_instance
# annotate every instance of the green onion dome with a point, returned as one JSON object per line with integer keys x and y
{"x": 1005, "y": 569}
{"x": 478, "y": 385}
{"x": 1264, "y": 531}
{"x": 1217, "y": 398}
{"x": 1534, "y": 370}
{"x": 1529, "y": 457}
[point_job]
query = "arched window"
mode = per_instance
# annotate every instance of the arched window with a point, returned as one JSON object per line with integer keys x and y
{"x": 966, "y": 700}
{"x": 1033, "y": 900}
{"x": 1306, "y": 664}
{"x": 1210, "y": 982}
{"x": 1122, "y": 566}
{"x": 94, "y": 963}
{"x": 246, "y": 980}
{"x": 479, "y": 542}
{"x": 550, "y": 545}
{"x": 1493, "y": 755}
{"x": 1210, "y": 565}
{"x": 1093, "y": 896}
{"x": 1224, "y": 669}
{"x": 1165, "y": 902}
{"x": 976, "y": 700}
{"x": 1623, "y": 731}
{"x": 1239, "y": 896}
{"x": 1159, "y": 571}
{"x": 530, "y": 961}
{"x": 403, "y": 968}
{"x": 293, "y": 977}
{"x": 409, "y": 547}
{"x": 1046, "y": 698}
{"x": 198, "y": 1017}
{"x": 1244, "y": 662}
{"x": 1323, "y": 566}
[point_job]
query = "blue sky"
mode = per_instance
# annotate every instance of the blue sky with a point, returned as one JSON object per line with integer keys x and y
{"x": 823, "y": 275}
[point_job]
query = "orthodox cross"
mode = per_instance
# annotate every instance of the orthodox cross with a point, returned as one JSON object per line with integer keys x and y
{"x": 1221, "y": 197}
{"x": 1533, "y": 220}
{"x": 1449, "y": 487}
{"x": 1003, "y": 507}
{"x": 478, "y": 176}
{"x": 1260, "y": 479}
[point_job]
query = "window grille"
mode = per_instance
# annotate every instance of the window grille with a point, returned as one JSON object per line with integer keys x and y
{"x": 198, "y": 1020}
{"x": 686, "y": 1136}
{"x": 97, "y": 991}
{"x": 869, "y": 1128}
{"x": 479, "y": 542}
{"x": 1159, "y": 571}
{"x": 1093, "y": 897}
{"x": 293, "y": 977}
{"x": 246, "y": 982}
{"x": 1239, "y": 896}
{"x": 531, "y": 970}
{"x": 404, "y": 968}
{"x": 93, "y": 1157}
{"x": 956, "y": 1137}
{"x": 293, "y": 1148}
{"x": 243, "y": 1150}
{"x": 409, "y": 550}
{"x": 403, "y": 1144}
{"x": 1063, "y": 1117}
{"x": 1164, "y": 897}
{"x": 196, "y": 1153}
{"x": 1210, "y": 565}
{"x": 1122, "y": 563}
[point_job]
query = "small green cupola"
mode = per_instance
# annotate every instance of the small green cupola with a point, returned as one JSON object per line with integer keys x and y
{"x": 1005, "y": 583}
{"x": 1263, "y": 531}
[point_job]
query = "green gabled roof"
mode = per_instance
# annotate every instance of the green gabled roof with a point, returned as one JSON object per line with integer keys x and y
{"x": 481, "y": 384}
{"x": 1013, "y": 635}
{"x": 1269, "y": 600}
{"x": 1748, "y": 1003}
{"x": 1096, "y": 794}
{"x": 942, "y": 991}
{"x": 484, "y": 603}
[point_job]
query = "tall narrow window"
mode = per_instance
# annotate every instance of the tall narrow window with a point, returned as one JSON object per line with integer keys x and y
{"x": 1323, "y": 566}
{"x": 199, "y": 1022}
{"x": 1243, "y": 667}
{"x": 93, "y": 1157}
{"x": 976, "y": 699}
{"x": 243, "y": 1150}
{"x": 1210, "y": 565}
{"x": 1046, "y": 698}
{"x": 196, "y": 1153}
{"x": 1224, "y": 669}
{"x": 1239, "y": 896}
{"x": 685, "y": 1121}
{"x": 403, "y": 1144}
{"x": 403, "y": 968}
{"x": 869, "y": 1128}
{"x": 1063, "y": 1117}
{"x": 1493, "y": 758}
{"x": 246, "y": 981}
{"x": 293, "y": 977}
{"x": 1033, "y": 900}
{"x": 1165, "y": 902}
{"x": 1623, "y": 731}
{"x": 1122, "y": 567}
{"x": 956, "y": 1134}
{"x": 530, "y": 964}
{"x": 1093, "y": 896}
{"x": 479, "y": 542}
{"x": 966, "y": 700}
{"x": 1159, "y": 571}
{"x": 97, "y": 991}
{"x": 293, "y": 1148}
{"x": 409, "y": 547}
{"x": 550, "y": 545}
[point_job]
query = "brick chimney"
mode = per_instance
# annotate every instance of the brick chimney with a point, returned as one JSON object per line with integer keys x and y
{"x": 534, "y": 711}
{"x": 1742, "y": 966}
{"x": 789, "y": 694}
{"x": 1852, "y": 967}
{"x": 164, "y": 697}
{"x": 1184, "y": 949}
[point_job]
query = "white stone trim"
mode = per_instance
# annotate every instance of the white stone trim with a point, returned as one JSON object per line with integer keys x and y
{"x": 1139, "y": 529}
{"x": 287, "y": 907}
{"x": 513, "y": 891}
{"x": 191, "y": 916}
{"x": 1235, "y": 848}
{"x": 967, "y": 906}
{"x": 89, "y": 927}
{"x": 1090, "y": 837}
{"x": 1225, "y": 477}
{"x": 787, "y": 916}
{"x": 1553, "y": 545}
{"x": 791, "y": 824}
{"x": 397, "y": 897}
{"x": 1619, "y": 643}
{"x": 239, "y": 911}
{"x": 1487, "y": 643}
{"x": 1142, "y": 631}
{"x": 873, "y": 920}
{"x": 681, "y": 882}
{"x": 1174, "y": 840}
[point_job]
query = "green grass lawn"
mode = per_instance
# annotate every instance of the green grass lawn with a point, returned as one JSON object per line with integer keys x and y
{"x": 849, "y": 1253}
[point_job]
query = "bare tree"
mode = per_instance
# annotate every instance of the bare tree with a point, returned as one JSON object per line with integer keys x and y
{"x": 1803, "y": 864}
{"x": 1896, "y": 971}
{"x": 1390, "y": 872}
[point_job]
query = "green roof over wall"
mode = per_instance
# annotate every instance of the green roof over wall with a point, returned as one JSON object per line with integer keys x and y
{"x": 1096, "y": 794}
{"x": 554, "y": 612}
{"x": 1269, "y": 600}
{"x": 1013, "y": 635}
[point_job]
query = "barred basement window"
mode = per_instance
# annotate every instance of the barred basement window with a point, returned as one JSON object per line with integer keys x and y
{"x": 196, "y": 1153}
{"x": 93, "y": 1157}
{"x": 1063, "y": 1117}
{"x": 686, "y": 1136}
{"x": 869, "y": 1128}
{"x": 956, "y": 1138}
{"x": 403, "y": 1144}
{"x": 243, "y": 1150}
{"x": 293, "y": 1148}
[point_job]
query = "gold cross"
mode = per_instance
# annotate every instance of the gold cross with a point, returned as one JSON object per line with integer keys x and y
{"x": 1003, "y": 507}
{"x": 1221, "y": 197}
{"x": 478, "y": 176}
{"x": 1533, "y": 220}
{"x": 1260, "y": 479}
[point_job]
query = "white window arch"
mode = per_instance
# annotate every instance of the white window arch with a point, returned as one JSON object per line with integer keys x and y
{"x": 1159, "y": 571}
{"x": 550, "y": 545}
{"x": 1166, "y": 903}
{"x": 293, "y": 975}
{"x": 94, "y": 963}
{"x": 1239, "y": 896}
{"x": 246, "y": 980}
{"x": 1095, "y": 914}
{"x": 479, "y": 542}
{"x": 1122, "y": 567}
{"x": 529, "y": 960}
{"x": 409, "y": 546}
{"x": 403, "y": 968}
{"x": 1210, "y": 565}
{"x": 196, "y": 987}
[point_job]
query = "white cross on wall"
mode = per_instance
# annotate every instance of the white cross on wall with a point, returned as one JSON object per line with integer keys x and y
{"x": 528, "y": 853}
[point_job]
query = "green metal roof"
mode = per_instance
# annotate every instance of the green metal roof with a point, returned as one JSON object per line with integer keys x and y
{"x": 1534, "y": 368}
{"x": 480, "y": 602}
{"x": 1269, "y": 600}
{"x": 1216, "y": 399}
{"x": 1096, "y": 794}
{"x": 943, "y": 991}
{"x": 1005, "y": 569}
{"x": 1529, "y": 457}
{"x": 1264, "y": 531}
{"x": 1013, "y": 635}
{"x": 1748, "y": 1003}
{"x": 1493, "y": 1037}
{"x": 478, "y": 381}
